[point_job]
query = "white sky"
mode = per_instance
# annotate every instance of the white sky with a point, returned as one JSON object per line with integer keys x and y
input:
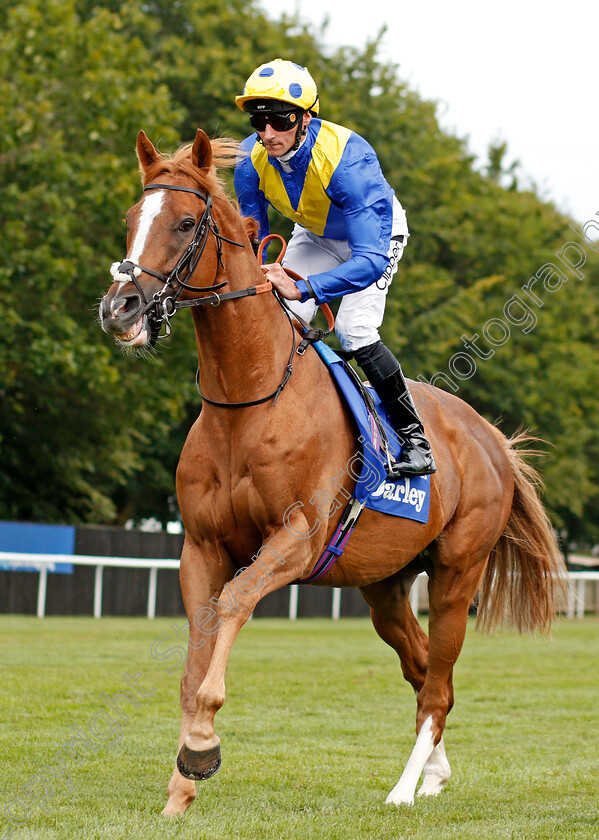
{"x": 526, "y": 72}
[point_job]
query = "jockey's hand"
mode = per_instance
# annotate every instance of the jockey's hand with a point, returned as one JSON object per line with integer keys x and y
{"x": 281, "y": 281}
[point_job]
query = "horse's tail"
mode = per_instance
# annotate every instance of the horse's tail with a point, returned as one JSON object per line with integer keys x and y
{"x": 526, "y": 571}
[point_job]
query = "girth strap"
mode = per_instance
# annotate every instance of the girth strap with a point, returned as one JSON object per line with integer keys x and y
{"x": 333, "y": 551}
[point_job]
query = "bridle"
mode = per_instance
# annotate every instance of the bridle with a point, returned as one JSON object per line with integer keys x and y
{"x": 164, "y": 303}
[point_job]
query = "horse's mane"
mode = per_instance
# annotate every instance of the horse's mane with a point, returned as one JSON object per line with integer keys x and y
{"x": 225, "y": 153}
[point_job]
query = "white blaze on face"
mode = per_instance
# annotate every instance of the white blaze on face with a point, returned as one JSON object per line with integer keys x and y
{"x": 151, "y": 208}
{"x": 152, "y": 205}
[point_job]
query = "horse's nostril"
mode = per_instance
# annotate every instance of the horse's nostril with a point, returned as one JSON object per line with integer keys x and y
{"x": 129, "y": 305}
{"x": 104, "y": 309}
{"x": 120, "y": 312}
{"x": 125, "y": 307}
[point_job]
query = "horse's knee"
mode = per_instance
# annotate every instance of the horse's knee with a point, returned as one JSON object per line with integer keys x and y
{"x": 210, "y": 698}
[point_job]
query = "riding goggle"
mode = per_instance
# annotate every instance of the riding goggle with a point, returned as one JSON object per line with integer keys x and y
{"x": 280, "y": 122}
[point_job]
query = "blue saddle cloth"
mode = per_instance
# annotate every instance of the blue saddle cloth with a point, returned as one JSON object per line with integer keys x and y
{"x": 405, "y": 497}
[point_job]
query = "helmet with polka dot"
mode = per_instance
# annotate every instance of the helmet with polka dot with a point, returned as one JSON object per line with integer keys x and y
{"x": 282, "y": 81}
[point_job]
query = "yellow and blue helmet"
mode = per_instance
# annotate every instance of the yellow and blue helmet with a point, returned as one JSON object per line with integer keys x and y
{"x": 280, "y": 81}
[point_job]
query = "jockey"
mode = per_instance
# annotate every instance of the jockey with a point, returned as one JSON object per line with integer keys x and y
{"x": 349, "y": 235}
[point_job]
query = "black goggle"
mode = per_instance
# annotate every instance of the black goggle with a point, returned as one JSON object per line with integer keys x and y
{"x": 280, "y": 122}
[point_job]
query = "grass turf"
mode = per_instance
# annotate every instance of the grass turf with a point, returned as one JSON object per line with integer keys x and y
{"x": 317, "y": 727}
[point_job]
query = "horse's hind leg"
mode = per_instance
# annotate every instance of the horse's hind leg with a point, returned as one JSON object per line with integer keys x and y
{"x": 396, "y": 624}
{"x": 451, "y": 590}
{"x": 436, "y": 772}
{"x": 394, "y": 621}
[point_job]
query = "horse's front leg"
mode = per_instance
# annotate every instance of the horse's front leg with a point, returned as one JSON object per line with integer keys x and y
{"x": 282, "y": 559}
{"x": 202, "y": 579}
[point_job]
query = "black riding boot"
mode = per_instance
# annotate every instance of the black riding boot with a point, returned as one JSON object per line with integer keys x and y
{"x": 384, "y": 374}
{"x": 416, "y": 457}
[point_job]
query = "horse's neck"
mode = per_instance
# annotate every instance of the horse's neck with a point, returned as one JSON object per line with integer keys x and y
{"x": 243, "y": 344}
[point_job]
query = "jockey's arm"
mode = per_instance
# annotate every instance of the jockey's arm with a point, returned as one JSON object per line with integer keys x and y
{"x": 360, "y": 189}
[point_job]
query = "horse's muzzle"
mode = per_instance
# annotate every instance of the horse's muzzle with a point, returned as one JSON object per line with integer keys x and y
{"x": 122, "y": 316}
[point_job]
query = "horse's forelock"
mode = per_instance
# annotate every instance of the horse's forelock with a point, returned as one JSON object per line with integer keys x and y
{"x": 225, "y": 152}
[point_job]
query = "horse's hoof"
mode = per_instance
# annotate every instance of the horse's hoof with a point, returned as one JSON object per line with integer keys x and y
{"x": 198, "y": 765}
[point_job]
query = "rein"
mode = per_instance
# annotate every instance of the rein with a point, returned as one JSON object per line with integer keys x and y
{"x": 289, "y": 368}
{"x": 310, "y": 336}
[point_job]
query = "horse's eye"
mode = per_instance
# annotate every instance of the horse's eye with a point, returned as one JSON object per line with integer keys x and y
{"x": 187, "y": 225}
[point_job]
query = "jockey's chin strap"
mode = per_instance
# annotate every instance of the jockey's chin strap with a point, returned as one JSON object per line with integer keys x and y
{"x": 311, "y": 334}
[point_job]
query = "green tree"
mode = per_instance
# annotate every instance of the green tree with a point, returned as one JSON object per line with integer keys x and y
{"x": 72, "y": 413}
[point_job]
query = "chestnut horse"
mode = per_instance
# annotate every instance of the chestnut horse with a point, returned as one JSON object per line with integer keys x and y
{"x": 272, "y": 435}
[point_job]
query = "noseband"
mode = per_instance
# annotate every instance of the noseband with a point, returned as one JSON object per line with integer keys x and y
{"x": 163, "y": 304}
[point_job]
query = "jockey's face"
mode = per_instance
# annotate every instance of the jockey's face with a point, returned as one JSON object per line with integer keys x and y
{"x": 278, "y": 143}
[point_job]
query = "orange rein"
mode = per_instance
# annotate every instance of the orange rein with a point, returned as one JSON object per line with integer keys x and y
{"x": 324, "y": 307}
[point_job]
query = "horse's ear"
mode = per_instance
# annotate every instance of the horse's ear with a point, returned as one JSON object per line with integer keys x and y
{"x": 201, "y": 151}
{"x": 146, "y": 153}
{"x": 252, "y": 228}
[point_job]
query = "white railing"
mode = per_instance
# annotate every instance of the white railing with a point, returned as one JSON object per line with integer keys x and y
{"x": 45, "y": 563}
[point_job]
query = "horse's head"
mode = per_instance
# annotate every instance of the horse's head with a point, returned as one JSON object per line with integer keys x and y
{"x": 168, "y": 233}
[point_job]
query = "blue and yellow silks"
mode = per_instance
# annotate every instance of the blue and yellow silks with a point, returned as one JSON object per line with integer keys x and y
{"x": 335, "y": 189}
